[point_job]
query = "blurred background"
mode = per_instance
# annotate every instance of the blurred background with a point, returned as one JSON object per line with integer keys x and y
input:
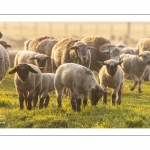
{"x": 128, "y": 33}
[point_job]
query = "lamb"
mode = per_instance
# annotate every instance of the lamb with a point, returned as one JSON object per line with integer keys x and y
{"x": 31, "y": 57}
{"x": 4, "y": 62}
{"x": 135, "y": 67}
{"x": 104, "y": 50}
{"x": 128, "y": 50}
{"x": 28, "y": 84}
{"x": 80, "y": 80}
{"x": 70, "y": 50}
{"x": 111, "y": 75}
{"x": 45, "y": 47}
{"x": 47, "y": 85}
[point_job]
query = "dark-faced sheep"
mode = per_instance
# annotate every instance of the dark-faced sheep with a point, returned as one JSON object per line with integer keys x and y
{"x": 111, "y": 75}
{"x": 28, "y": 84}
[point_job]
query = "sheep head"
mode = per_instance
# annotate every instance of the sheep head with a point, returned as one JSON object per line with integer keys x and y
{"x": 4, "y": 44}
{"x": 145, "y": 57}
{"x": 23, "y": 71}
{"x": 82, "y": 50}
{"x": 111, "y": 66}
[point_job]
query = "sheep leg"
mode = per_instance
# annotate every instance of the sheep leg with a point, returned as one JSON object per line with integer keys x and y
{"x": 105, "y": 98}
{"x": 59, "y": 100}
{"x": 25, "y": 96}
{"x": 136, "y": 80}
{"x": 78, "y": 100}
{"x": 85, "y": 100}
{"x": 21, "y": 98}
{"x": 35, "y": 98}
{"x": 139, "y": 87}
{"x": 113, "y": 99}
{"x": 29, "y": 99}
{"x": 47, "y": 101}
{"x": 119, "y": 95}
{"x": 41, "y": 102}
{"x": 73, "y": 103}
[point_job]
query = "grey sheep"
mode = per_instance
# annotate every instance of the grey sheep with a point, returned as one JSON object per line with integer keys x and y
{"x": 45, "y": 47}
{"x": 4, "y": 62}
{"x": 70, "y": 50}
{"x": 81, "y": 81}
{"x": 31, "y": 57}
{"x": 135, "y": 67}
{"x": 111, "y": 75}
{"x": 28, "y": 84}
{"x": 104, "y": 50}
{"x": 47, "y": 85}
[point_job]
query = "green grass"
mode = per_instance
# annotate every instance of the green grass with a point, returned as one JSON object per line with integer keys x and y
{"x": 134, "y": 112}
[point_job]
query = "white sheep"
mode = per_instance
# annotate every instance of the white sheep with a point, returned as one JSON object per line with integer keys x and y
{"x": 80, "y": 80}
{"x": 4, "y": 62}
{"x": 28, "y": 83}
{"x": 111, "y": 75}
{"x": 31, "y": 57}
{"x": 47, "y": 85}
{"x": 135, "y": 67}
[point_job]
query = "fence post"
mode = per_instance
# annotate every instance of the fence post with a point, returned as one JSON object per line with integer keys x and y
{"x": 66, "y": 29}
{"x": 50, "y": 28}
{"x": 81, "y": 29}
{"x": 35, "y": 28}
{"x": 128, "y": 32}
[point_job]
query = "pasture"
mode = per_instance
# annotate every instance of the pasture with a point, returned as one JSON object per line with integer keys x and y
{"x": 132, "y": 113}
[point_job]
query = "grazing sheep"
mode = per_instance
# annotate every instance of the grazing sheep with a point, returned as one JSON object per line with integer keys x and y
{"x": 104, "y": 50}
{"x": 28, "y": 83}
{"x": 26, "y": 44}
{"x": 4, "y": 62}
{"x": 31, "y": 57}
{"x": 12, "y": 55}
{"x": 45, "y": 47}
{"x": 4, "y": 44}
{"x": 143, "y": 45}
{"x": 80, "y": 80}
{"x": 111, "y": 75}
{"x": 70, "y": 50}
{"x": 128, "y": 50}
{"x": 47, "y": 85}
{"x": 135, "y": 66}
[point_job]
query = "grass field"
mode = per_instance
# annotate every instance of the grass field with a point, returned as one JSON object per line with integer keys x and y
{"x": 132, "y": 113}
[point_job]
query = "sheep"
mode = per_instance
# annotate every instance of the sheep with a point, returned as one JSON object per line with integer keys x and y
{"x": 4, "y": 44}
{"x": 111, "y": 75}
{"x": 4, "y": 62}
{"x": 143, "y": 45}
{"x": 80, "y": 80}
{"x": 121, "y": 46}
{"x": 135, "y": 66}
{"x": 104, "y": 50}
{"x": 47, "y": 85}
{"x": 128, "y": 50}
{"x": 70, "y": 50}
{"x": 146, "y": 76}
{"x": 45, "y": 47}
{"x": 27, "y": 81}
{"x": 31, "y": 57}
{"x": 12, "y": 55}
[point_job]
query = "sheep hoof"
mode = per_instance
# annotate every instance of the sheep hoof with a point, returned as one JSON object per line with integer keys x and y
{"x": 139, "y": 90}
{"x": 132, "y": 88}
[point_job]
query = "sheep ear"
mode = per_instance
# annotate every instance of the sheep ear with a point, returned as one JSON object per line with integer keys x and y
{"x": 8, "y": 45}
{"x": 91, "y": 47}
{"x": 120, "y": 62}
{"x": 32, "y": 70}
{"x": 47, "y": 57}
{"x": 100, "y": 62}
{"x": 1, "y": 57}
{"x": 105, "y": 51}
{"x": 74, "y": 47}
{"x": 13, "y": 71}
{"x": 91, "y": 89}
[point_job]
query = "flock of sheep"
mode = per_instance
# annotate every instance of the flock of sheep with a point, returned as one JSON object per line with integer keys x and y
{"x": 66, "y": 65}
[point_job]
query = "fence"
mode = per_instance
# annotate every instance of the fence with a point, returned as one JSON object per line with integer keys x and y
{"x": 127, "y": 32}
